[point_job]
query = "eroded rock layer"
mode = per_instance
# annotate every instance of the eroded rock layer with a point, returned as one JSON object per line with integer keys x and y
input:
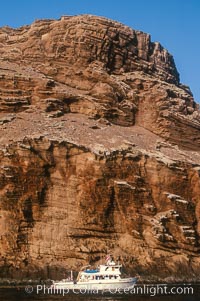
{"x": 99, "y": 152}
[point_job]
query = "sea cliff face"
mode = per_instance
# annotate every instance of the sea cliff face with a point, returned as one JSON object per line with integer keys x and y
{"x": 99, "y": 152}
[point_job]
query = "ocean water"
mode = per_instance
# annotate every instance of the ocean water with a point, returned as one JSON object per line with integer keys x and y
{"x": 24, "y": 294}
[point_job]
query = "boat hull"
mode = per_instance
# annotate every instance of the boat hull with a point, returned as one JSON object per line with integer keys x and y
{"x": 111, "y": 286}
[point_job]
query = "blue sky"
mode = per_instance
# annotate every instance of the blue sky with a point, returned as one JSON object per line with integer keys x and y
{"x": 174, "y": 23}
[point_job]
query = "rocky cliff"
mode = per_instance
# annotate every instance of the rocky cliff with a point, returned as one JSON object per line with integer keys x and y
{"x": 99, "y": 150}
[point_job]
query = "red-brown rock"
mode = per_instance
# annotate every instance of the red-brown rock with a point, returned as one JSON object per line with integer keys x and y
{"x": 99, "y": 152}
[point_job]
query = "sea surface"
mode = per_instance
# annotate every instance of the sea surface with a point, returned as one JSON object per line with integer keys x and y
{"x": 31, "y": 294}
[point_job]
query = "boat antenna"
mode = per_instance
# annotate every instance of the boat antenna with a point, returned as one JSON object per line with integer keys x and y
{"x": 72, "y": 278}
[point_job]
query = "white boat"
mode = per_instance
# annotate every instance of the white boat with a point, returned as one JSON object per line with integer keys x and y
{"x": 106, "y": 277}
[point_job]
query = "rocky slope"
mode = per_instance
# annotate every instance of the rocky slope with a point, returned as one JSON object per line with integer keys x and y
{"x": 99, "y": 150}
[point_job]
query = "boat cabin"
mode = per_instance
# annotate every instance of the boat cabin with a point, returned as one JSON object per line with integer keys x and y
{"x": 104, "y": 272}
